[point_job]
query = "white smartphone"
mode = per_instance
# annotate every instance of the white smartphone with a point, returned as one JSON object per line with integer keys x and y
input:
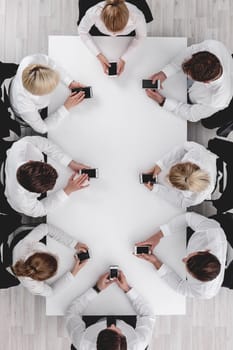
{"x": 113, "y": 271}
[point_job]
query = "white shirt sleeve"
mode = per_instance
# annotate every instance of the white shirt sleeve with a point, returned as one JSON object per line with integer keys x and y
{"x": 85, "y": 25}
{"x": 191, "y": 112}
{"x": 73, "y": 317}
{"x": 141, "y": 32}
{"x": 49, "y": 148}
{"x": 43, "y": 126}
{"x": 145, "y": 318}
{"x": 173, "y": 196}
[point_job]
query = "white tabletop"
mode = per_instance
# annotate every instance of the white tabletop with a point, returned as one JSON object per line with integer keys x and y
{"x": 122, "y": 132}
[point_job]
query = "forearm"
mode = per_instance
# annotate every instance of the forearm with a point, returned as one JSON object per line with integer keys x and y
{"x": 56, "y": 117}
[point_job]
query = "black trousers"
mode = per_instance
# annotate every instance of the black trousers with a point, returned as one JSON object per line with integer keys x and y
{"x": 220, "y": 118}
{"x": 84, "y": 5}
{"x": 224, "y": 149}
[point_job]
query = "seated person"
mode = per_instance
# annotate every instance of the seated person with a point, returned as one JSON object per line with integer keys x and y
{"x": 114, "y": 337}
{"x": 205, "y": 259}
{"x": 28, "y": 176}
{"x": 209, "y": 66}
{"x": 113, "y": 18}
{"x": 33, "y": 263}
{"x": 186, "y": 176}
{"x": 31, "y": 91}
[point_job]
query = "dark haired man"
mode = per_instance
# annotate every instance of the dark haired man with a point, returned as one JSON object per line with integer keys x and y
{"x": 114, "y": 337}
{"x": 205, "y": 259}
{"x": 27, "y": 176}
{"x": 209, "y": 67}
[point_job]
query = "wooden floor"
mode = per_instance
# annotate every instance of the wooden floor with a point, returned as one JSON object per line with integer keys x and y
{"x": 24, "y": 29}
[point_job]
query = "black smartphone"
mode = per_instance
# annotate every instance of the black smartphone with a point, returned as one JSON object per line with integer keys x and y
{"x": 147, "y": 84}
{"x": 112, "y": 70}
{"x": 83, "y": 255}
{"x": 145, "y": 249}
{"x": 86, "y": 89}
{"x": 113, "y": 271}
{"x": 145, "y": 178}
{"x": 94, "y": 173}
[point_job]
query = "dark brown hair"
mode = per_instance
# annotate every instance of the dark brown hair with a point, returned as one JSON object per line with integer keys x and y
{"x": 204, "y": 266}
{"x": 39, "y": 267}
{"x": 202, "y": 66}
{"x": 108, "y": 339}
{"x": 37, "y": 177}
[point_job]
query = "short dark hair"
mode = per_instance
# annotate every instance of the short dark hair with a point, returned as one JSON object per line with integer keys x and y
{"x": 204, "y": 266}
{"x": 202, "y": 66}
{"x": 108, "y": 339}
{"x": 36, "y": 176}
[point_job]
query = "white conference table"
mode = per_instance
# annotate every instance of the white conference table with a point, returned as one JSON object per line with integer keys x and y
{"x": 122, "y": 132}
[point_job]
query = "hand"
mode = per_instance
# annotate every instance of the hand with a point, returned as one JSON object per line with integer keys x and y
{"x": 74, "y": 99}
{"x": 78, "y": 265}
{"x": 81, "y": 247}
{"x": 155, "y": 171}
{"x": 155, "y": 95}
{"x": 152, "y": 259}
{"x": 104, "y": 62}
{"x": 120, "y": 66}
{"x": 75, "y": 84}
{"x": 122, "y": 282}
{"x": 152, "y": 241}
{"x": 76, "y": 184}
{"x": 159, "y": 76}
{"x": 103, "y": 282}
{"x": 77, "y": 166}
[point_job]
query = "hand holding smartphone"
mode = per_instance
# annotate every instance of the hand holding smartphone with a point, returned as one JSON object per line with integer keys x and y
{"x": 147, "y": 178}
{"x": 145, "y": 249}
{"x": 112, "y": 70}
{"x": 83, "y": 256}
{"x": 147, "y": 84}
{"x": 87, "y": 90}
{"x": 113, "y": 272}
{"x": 92, "y": 173}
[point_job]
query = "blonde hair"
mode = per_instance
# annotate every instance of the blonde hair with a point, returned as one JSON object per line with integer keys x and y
{"x": 188, "y": 177}
{"x": 39, "y": 267}
{"x": 115, "y": 15}
{"x": 39, "y": 79}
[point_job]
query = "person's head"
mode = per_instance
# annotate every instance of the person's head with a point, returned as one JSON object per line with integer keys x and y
{"x": 39, "y": 79}
{"x": 111, "y": 338}
{"x": 115, "y": 15}
{"x": 203, "y": 66}
{"x": 39, "y": 266}
{"x": 203, "y": 266}
{"x": 188, "y": 177}
{"x": 36, "y": 176}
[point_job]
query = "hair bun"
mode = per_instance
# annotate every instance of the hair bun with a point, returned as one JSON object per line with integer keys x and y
{"x": 115, "y": 2}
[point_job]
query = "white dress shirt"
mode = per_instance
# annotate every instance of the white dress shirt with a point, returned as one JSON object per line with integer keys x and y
{"x": 28, "y": 105}
{"x": 26, "y": 149}
{"x": 208, "y": 236}
{"x": 31, "y": 245}
{"x": 189, "y": 152}
{"x": 85, "y": 338}
{"x": 207, "y": 98}
{"x": 93, "y": 17}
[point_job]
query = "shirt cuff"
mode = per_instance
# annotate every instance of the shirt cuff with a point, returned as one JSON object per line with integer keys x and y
{"x": 160, "y": 164}
{"x": 67, "y": 80}
{"x": 169, "y": 70}
{"x": 61, "y": 195}
{"x": 132, "y": 294}
{"x": 170, "y": 104}
{"x": 70, "y": 276}
{"x": 163, "y": 270}
{"x": 166, "y": 230}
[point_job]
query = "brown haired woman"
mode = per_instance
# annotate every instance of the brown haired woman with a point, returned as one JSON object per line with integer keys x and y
{"x": 186, "y": 176}
{"x": 113, "y": 18}
{"x": 33, "y": 263}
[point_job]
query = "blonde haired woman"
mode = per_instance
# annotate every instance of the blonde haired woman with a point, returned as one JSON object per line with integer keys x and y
{"x": 113, "y": 18}
{"x": 33, "y": 263}
{"x": 31, "y": 89}
{"x": 186, "y": 176}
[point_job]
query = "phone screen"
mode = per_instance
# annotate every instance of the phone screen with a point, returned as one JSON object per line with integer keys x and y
{"x": 113, "y": 272}
{"x": 86, "y": 89}
{"x": 112, "y": 70}
{"x": 147, "y": 84}
{"x": 143, "y": 250}
{"x": 145, "y": 178}
{"x": 89, "y": 172}
{"x": 83, "y": 255}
